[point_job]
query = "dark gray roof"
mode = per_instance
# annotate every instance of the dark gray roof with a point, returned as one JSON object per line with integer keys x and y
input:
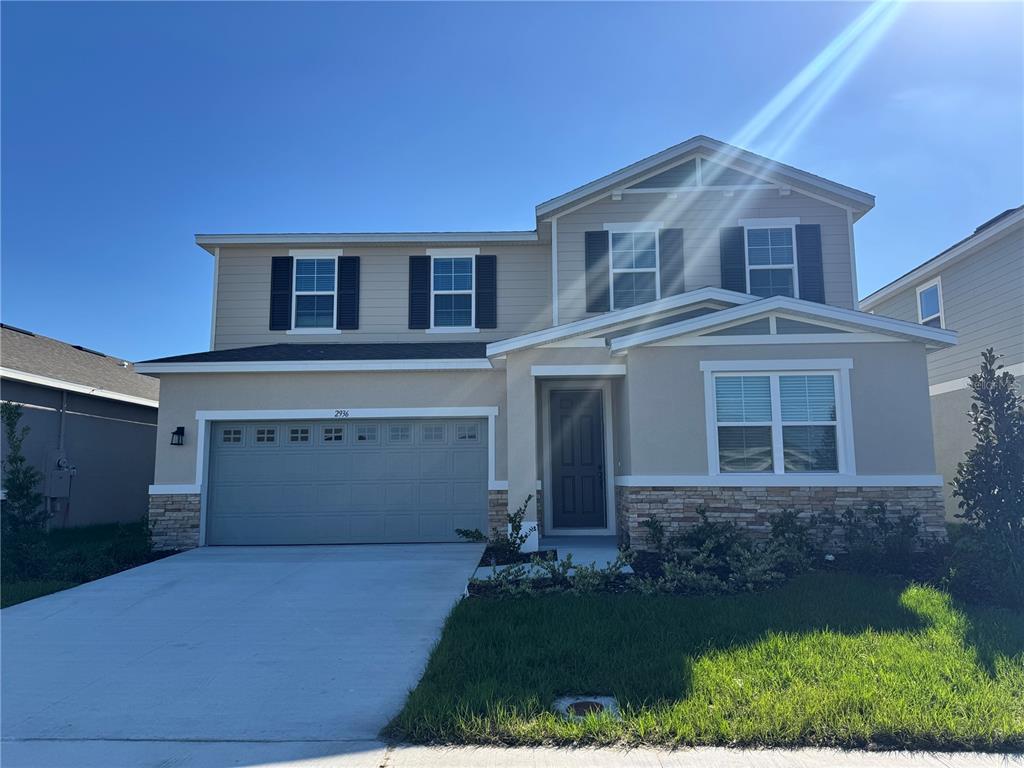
{"x": 31, "y": 353}
{"x": 440, "y": 350}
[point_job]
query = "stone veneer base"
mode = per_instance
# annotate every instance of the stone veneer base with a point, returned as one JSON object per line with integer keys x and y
{"x": 752, "y": 508}
{"x": 497, "y": 512}
{"x": 174, "y": 520}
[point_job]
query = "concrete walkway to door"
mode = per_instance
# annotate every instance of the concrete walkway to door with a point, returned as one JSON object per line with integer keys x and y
{"x": 243, "y": 644}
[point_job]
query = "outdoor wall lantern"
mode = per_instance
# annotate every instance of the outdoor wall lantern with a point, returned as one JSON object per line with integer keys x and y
{"x": 178, "y": 436}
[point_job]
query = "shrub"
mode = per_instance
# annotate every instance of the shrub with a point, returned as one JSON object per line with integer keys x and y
{"x": 22, "y": 515}
{"x": 504, "y": 546}
{"x": 876, "y": 539}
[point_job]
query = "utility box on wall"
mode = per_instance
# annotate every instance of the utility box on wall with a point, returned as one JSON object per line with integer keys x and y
{"x": 57, "y": 483}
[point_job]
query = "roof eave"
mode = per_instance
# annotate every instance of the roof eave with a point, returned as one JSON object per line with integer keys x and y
{"x": 210, "y": 241}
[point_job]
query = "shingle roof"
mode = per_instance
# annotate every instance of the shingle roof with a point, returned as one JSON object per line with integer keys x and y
{"x": 458, "y": 350}
{"x": 30, "y": 353}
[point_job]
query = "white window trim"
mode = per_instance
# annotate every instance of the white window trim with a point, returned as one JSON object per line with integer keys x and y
{"x": 444, "y": 255}
{"x": 632, "y": 228}
{"x": 749, "y": 224}
{"x": 838, "y": 368}
{"x": 296, "y": 293}
{"x": 937, "y": 283}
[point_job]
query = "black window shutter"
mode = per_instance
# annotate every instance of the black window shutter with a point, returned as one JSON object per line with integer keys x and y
{"x": 731, "y": 244}
{"x": 281, "y": 293}
{"x": 670, "y": 261}
{"x": 596, "y": 246}
{"x": 348, "y": 293}
{"x": 808, "y": 262}
{"x": 486, "y": 291}
{"x": 419, "y": 291}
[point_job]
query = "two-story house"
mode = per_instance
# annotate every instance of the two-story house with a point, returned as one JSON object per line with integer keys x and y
{"x": 680, "y": 333}
{"x": 975, "y": 287}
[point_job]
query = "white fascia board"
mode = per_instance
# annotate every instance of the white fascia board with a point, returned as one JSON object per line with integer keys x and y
{"x": 806, "y": 309}
{"x": 563, "y": 371}
{"x": 297, "y": 366}
{"x": 369, "y": 238}
{"x": 778, "y": 481}
{"x": 720, "y": 152}
{"x": 932, "y": 266}
{"x": 616, "y": 317}
{"x": 46, "y": 381}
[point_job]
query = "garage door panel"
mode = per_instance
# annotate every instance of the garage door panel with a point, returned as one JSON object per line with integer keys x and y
{"x": 407, "y": 481}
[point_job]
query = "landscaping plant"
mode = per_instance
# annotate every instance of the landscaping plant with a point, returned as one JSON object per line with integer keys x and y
{"x": 504, "y": 546}
{"x": 22, "y": 515}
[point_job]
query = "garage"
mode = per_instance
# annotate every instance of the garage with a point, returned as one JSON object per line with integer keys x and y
{"x": 346, "y": 481}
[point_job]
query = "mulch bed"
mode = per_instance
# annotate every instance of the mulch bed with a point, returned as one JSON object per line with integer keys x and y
{"x": 492, "y": 556}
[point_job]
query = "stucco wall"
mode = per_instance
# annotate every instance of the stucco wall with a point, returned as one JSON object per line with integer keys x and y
{"x": 891, "y": 416}
{"x": 953, "y": 439}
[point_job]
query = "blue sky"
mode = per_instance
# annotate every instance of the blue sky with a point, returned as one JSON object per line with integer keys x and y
{"x": 127, "y": 128}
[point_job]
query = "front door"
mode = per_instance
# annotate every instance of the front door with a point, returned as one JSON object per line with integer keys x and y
{"x": 577, "y": 459}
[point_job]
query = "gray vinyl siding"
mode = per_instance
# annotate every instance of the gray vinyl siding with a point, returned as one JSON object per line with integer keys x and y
{"x": 243, "y": 296}
{"x": 701, "y": 215}
{"x": 983, "y": 301}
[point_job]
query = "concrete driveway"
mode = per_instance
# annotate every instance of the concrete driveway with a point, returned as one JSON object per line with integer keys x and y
{"x": 242, "y": 644}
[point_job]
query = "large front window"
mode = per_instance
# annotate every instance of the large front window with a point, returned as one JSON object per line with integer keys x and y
{"x": 634, "y": 268}
{"x": 314, "y": 293}
{"x": 452, "y": 293}
{"x": 771, "y": 262}
{"x": 776, "y": 423}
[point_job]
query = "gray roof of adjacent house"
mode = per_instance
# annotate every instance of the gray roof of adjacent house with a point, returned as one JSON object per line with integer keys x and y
{"x": 459, "y": 350}
{"x": 29, "y": 357}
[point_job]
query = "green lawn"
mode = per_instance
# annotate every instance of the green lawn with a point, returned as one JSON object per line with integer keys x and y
{"x": 72, "y": 556}
{"x": 828, "y": 659}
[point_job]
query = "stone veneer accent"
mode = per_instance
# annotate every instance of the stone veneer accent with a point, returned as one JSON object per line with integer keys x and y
{"x": 174, "y": 520}
{"x": 753, "y": 507}
{"x": 497, "y": 512}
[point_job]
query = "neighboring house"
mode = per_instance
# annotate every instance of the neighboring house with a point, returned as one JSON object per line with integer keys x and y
{"x": 975, "y": 287}
{"x": 682, "y": 332}
{"x": 92, "y": 423}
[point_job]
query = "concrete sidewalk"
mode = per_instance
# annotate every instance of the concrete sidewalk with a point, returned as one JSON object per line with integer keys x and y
{"x": 373, "y": 754}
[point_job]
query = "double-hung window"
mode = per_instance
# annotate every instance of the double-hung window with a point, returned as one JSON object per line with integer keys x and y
{"x": 929, "y": 304}
{"x": 776, "y": 423}
{"x": 315, "y": 285}
{"x": 634, "y": 267}
{"x": 771, "y": 261}
{"x": 452, "y": 292}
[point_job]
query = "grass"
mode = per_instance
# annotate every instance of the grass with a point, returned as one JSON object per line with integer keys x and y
{"x": 73, "y": 556}
{"x": 828, "y": 659}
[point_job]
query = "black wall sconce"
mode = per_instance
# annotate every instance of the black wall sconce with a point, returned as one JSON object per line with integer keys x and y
{"x": 178, "y": 436}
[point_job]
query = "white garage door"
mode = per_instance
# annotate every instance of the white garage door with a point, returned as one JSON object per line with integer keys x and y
{"x": 345, "y": 482}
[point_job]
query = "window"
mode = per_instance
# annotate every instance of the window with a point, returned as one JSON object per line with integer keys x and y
{"x": 334, "y": 434}
{"x": 314, "y": 293}
{"x": 466, "y": 433}
{"x": 452, "y": 293}
{"x": 366, "y": 433}
{"x": 231, "y": 436}
{"x": 266, "y": 434}
{"x": 771, "y": 262}
{"x": 777, "y": 423}
{"x": 399, "y": 433}
{"x": 929, "y": 304}
{"x": 634, "y": 265}
{"x": 433, "y": 433}
{"x": 298, "y": 435}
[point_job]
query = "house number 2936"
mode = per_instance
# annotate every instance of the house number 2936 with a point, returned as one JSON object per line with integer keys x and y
{"x": 341, "y": 413}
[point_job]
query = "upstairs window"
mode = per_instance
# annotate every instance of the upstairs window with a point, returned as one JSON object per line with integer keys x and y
{"x": 315, "y": 285}
{"x": 452, "y": 293}
{"x": 929, "y": 304}
{"x": 771, "y": 262}
{"x": 634, "y": 266}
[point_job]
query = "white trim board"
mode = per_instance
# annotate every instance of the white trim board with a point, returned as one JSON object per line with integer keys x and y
{"x": 46, "y": 381}
{"x": 778, "y": 481}
{"x": 542, "y": 371}
{"x": 617, "y": 317}
{"x": 292, "y": 366}
{"x": 171, "y": 489}
{"x": 208, "y": 241}
{"x": 953, "y": 385}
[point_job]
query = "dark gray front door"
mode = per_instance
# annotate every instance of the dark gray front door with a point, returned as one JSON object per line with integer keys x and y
{"x": 577, "y": 459}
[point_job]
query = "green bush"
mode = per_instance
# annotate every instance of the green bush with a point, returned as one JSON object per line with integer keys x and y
{"x": 504, "y": 546}
{"x": 976, "y": 576}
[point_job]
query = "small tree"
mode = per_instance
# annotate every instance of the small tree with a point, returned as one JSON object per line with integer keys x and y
{"x": 989, "y": 482}
{"x": 23, "y": 503}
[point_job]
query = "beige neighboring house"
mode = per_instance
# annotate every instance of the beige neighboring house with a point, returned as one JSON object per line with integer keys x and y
{"x": 976, "y": 288}
{"x": 92, "y": 423}
{"x": 681, "y": 332}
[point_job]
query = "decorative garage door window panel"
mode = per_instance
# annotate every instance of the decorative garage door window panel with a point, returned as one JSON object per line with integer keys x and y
{"x": 357, "y": 482}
